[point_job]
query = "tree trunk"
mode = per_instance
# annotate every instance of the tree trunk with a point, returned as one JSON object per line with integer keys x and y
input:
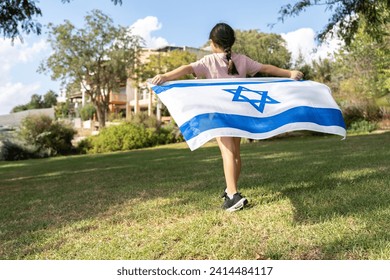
{"x": 101, "y": 115}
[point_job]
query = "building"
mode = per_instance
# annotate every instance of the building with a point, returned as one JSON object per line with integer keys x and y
{"x": 136, "y": 98}
{"x": 133, "y": 97}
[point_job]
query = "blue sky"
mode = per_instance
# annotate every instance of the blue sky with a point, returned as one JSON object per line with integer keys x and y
{"x": 174, "y": 22}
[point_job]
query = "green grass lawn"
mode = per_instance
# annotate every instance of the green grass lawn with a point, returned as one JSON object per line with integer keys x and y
{"x": 310, "y": 198}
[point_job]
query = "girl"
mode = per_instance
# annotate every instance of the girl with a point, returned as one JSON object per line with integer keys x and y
{"x": 223, "y": 63}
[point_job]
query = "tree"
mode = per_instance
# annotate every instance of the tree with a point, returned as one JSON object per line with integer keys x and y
{"x": 35, "y": 102}
{"x": 347, "y": 14}
{"x": 49, "y": 99}
{"x": 48, "y": 136}
{"x": 263, "y": 47}
{"x": 97, "y": 57}
{"x": 362, "y": 67}
{"x": 19, "y": 108}
{"x": 17, "y": 16}
{"x": 38, "y": 101}
{"x": 164, "y": 62}
{"x": 322, "y": 69}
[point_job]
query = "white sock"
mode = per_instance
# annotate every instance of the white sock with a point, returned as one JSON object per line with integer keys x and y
{"x": 229, "y": 195}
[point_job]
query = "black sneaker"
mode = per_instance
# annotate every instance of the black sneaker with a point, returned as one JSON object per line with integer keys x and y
{"x": 236, "y": 203}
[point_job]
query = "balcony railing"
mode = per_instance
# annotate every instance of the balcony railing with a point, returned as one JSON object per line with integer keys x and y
{"x": 118, "y": 98}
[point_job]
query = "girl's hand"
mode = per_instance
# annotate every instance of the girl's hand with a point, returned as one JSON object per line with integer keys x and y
{"x": 173, "y": 75}
{"x": 296, "y": 75}
{"x": 159, "y": 79}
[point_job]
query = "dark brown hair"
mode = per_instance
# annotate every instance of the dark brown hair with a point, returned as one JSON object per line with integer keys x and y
{"x": 223, "y": 36}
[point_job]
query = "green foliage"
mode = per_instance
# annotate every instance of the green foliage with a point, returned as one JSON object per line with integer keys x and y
{"x": 17, "y": 17}
{"x": 352, "y": 114}
{"x": 87, "y": 111}
{"x": 322, "y": 70}
{"x": 19, "y": 108}
{"x": 164, "y": 62}
{"x": 49, "y": 99}
{"x": 144, "y": 119}
{"x": 169, "y": 133}
{"x": 38, "y": 102}
{"x": 33, "y": 126}
{"x": 362, "y": 67}
{"x": 363, "y": 111}
{"x": 266, "y": 48}
{"x": 47, "y": 135}
{"x": 62, "y": 109}
{"x": 347, "y": 17}
{"x": 143, "y": 131}
{"x": 11, "y": 150}
{"x": 362, "y": 127}
{"x": 310, "y": 198}
{"x": 109, "y": 57}
{"x": 84, "y": 146}
{"x": 126, "y": 136}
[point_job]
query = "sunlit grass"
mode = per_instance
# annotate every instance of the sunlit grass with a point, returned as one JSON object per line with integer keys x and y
{"x": 310, "y": 198}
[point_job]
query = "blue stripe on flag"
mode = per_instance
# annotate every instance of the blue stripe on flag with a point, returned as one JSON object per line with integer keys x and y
{"x": 204, "y": 122}
{"x": 162, "y": 88}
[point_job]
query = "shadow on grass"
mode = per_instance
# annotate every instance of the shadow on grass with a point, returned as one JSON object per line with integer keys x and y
{"x": 344, "y": 178}
{"x": 43, "y": 197}
{"x": 322, "y": 179}
{"x": 336, "y": 180}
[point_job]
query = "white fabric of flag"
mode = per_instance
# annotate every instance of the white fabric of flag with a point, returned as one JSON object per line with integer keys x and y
{"x": 255, "y": 108}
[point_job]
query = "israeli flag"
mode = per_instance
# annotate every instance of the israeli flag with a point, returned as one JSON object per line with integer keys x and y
{"x": 256, "y": 108}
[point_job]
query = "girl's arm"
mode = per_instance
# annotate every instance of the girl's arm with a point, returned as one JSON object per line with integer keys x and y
{"x": 279, "y": 72}
{"x": 172, "y": 75}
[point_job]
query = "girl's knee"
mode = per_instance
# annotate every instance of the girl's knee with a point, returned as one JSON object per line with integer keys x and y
{"x": 226, "y": 143}
{"x": 229, "y": 147}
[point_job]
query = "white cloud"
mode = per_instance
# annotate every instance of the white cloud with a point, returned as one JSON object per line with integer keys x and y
{"x": 13, "y": 94}
{"x": 15, "y": 55}
{"x": 27, "y": 54}
{"x": 304, "y": 41}
{"x": 328, "y": 47}
{"x": 12, "y": 54}
{"x": 300, "y": 41}
{"x": 144, "y": 28}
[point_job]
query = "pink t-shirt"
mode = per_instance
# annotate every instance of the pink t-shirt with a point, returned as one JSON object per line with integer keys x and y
{"x": 214, "y": 66}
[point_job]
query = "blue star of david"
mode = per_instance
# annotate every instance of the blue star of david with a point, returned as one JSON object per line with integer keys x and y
{"x": 259, "y": 104}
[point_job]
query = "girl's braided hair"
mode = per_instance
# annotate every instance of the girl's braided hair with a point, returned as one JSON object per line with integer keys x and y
{"x": 223, "y": 36}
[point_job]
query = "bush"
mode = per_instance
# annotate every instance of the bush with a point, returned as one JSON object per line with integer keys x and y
{"x": 84, "y": 146}
{"x": 144, "y": 119}
{"x": 86, "y": 112}
{"x": 126, "y": 136}
{"x": 11, "y": 150}
{"x": 365, "y": 110}
{"x": 362, "y": 127}
{"x": 48, "y": 136}
{"x": 129, "y": 136}
{"x": 351, "y": 115}
{"x": 170, "y": 134}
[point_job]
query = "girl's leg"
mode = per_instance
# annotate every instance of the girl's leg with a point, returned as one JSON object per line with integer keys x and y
{"x": 237, "y": 143}
{"x": 230, "y": 151}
